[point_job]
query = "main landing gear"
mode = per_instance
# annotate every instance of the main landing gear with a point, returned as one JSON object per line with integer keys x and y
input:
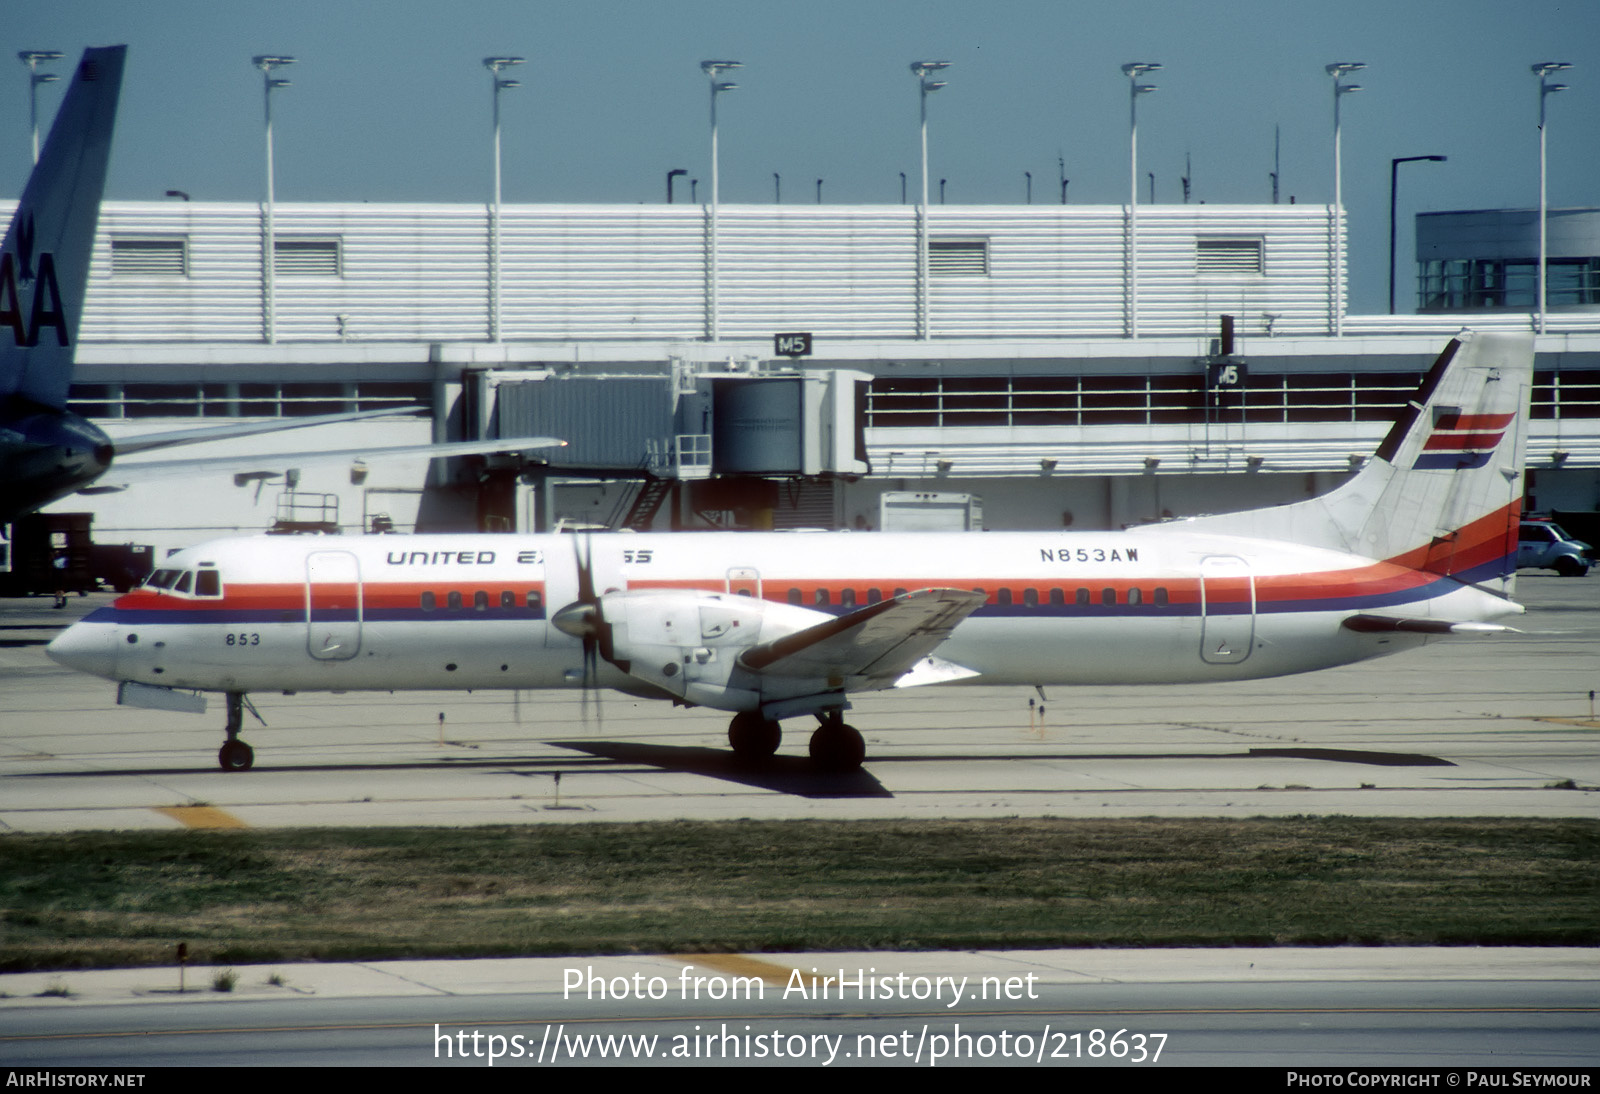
{"x": 235, "y": 755}
{"x": 835, "y": 747}
{"x": 752, "y": 736}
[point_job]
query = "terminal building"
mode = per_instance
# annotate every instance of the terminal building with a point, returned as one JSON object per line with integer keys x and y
{"x": 770, "y": 366}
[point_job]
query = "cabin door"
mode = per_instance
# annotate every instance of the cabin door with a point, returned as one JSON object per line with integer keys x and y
{"x": 333, "y": 605}
{"x": 1227, "y": 610}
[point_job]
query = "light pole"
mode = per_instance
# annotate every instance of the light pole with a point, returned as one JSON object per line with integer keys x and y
{"x": 269, "y": 244}
{"x": 1339, "y": 70}
{"x": 1394, "y": 179}
{"x": 498, "y": 84}
{"x": 714, "y": 70}
{"x": 31, "y": 58}
{"x": 1135, "y": 71}
{"x": 922, "y": 70}
{"x": 1543, "y": 70}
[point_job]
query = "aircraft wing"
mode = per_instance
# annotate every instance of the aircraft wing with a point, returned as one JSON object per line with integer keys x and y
{"x": 880, "y": 642}
{"x": 148, "y": 442}
{"x": 122, "y": 474}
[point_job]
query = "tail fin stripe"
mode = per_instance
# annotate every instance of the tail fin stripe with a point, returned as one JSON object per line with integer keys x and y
{"x": 1453, "y": 461}
{"x": 1473, "y": 421}
{"x": 1462, "y": 442}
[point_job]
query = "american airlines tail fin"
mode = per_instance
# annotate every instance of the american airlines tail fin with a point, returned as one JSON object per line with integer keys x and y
{"x": 44, "y": 262}
{"x": 1443, "y": 493}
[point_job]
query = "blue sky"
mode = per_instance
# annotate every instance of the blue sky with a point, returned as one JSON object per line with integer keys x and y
{"x": 391, "y": 103}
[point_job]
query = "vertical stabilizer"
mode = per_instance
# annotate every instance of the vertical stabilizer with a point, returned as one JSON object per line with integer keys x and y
{"x": 1443, "y": 493}
{"x": 44, "y": 263}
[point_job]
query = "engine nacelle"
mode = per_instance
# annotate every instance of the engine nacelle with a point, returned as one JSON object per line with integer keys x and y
{"x": 688, "y": 643}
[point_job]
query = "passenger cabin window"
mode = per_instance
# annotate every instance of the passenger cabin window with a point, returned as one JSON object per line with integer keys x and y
{"x": 454, "y": 600}
{"x": 1135, "y": 596}
{"x": 534, "y": 600}
{"x": 1030, "y": 597}
{"x": 480, "y": 601}
{"x": 1161, "y": 595}
{"x": 1083, "y": 596}
{"x": 1058, "y": 598}
{"x": 794, "y": 597}
{"x": 822, "y": 598}
{"x": 1108, "y": 596}
{"x": 429, "y": 602}
{"x": 847, "y": 598}
{"x": 1005, "y": 596}
{"x": 874, "y": 596}
{"x": 508, "y": 599}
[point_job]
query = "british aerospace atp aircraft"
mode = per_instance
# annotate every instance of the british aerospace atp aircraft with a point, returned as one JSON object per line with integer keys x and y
{"x": 46, "y": 450}
{"x": 1418, "y": 545}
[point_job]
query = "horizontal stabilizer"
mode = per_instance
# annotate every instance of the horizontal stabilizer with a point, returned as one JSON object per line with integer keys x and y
{"x": 881, "y": 641}
{"x": 1375, "y": 624}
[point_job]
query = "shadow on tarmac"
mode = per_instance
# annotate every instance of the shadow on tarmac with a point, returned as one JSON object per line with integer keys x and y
{"x": 785, "y": 774}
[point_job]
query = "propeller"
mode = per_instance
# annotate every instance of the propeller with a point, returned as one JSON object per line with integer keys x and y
{"x": 583, "y": 620}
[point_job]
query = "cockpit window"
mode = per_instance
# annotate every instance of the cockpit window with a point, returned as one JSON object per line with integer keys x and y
{"x": 184, "y": 581}
{"x": 163, "y": 579}
{"x": 207, "y": 583}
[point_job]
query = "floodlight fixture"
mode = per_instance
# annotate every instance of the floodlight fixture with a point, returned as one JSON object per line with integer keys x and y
{"x": 32, "y": 58}
{"x": 1543, "y": 70}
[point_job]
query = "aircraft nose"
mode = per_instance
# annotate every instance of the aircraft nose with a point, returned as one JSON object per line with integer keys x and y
{"x": 87, "y": 647}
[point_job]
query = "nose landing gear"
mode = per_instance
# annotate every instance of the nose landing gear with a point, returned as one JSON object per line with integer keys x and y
{"x": 235, "y": 755}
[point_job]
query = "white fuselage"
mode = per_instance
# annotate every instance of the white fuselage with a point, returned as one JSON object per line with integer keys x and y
{"x": 1150, "y": 605}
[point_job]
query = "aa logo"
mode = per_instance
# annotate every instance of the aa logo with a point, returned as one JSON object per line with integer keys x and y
{"x": 44, "y": 310}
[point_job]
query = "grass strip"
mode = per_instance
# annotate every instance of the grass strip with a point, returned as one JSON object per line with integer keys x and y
{"x": 128, "y": 898}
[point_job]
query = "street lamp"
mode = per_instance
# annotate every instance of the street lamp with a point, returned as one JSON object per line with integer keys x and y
{"x": 267, "y": 63}
{"x": 1135, "y": 71}
{"x": 1394, "y": 173}
{"x": 714, "y": 70}
{"x": 1543, "y": 70}
{"x": 31, "y": 58}
{"x": 922, "y": 70}
{"x": 1339, "y": 70}
{"x": 498, "y": 83}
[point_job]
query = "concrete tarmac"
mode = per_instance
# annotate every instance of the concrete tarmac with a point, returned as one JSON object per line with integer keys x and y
{"x": 1500, "y": 726}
